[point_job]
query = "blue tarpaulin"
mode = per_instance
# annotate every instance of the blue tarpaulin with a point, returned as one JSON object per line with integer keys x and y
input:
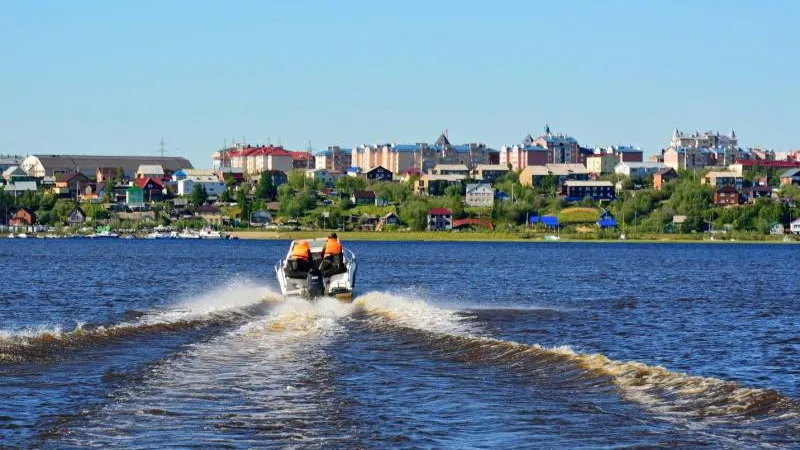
{"x": 607, "y": 223}
{"x": 534, "y": 219}
{"x": 550, "y": 221}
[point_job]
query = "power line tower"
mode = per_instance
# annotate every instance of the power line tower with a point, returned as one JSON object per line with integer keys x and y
{"x": 308, "y": 155}
{"x": 161, "y": 149}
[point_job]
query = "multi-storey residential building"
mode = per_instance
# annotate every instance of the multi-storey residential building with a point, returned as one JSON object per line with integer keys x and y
{"x": 333, "y": 159}
{"x": 522, "y": 155}
{"x": 302, "y": 160}
{"x": 628, "y": 153}
{"x": 602, "y": 162}
{"x": 688, "y": 158}
{"x": 708, "y": 139}
{"x": 400, "y": 157}
{"x": 255, "y": 159}
{"x": 561, "y": 149}
{"x": 690, "y": 151}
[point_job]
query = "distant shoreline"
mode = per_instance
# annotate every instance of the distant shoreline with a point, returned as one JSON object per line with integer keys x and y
{"x": 445, "y": 236}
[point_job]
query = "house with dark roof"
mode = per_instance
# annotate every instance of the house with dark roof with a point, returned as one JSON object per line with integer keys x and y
{"x": 726, "y": 195}
{"x": 662, "y": 176}
{"x": 69, "y": 184}
{"x": 362, "y": 198}
{"x": 753, "y": 193}
{"x": 210, "y": 214}
{"x": 76, "y": 217}
{"x": 790, "y": 176}
{"x": 440, "y": 219}
{"x": 378, "y": 173}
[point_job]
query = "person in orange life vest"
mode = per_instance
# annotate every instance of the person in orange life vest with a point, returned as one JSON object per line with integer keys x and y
{"x": 301, "y": 256}
{"x": 332, "y": 256}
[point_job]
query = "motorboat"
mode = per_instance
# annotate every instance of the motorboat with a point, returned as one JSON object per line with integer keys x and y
{"x": 187, "y": 234}
{"x": 158, "y": 235}
{"x": 105, "y": 234}
{"x": 318, "y": 278}
{"x": 207, "y": 233}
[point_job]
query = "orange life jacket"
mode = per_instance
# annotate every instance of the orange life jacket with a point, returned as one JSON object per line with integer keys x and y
{"x": 301, "y": 250}
{"x": 332, "y": 247}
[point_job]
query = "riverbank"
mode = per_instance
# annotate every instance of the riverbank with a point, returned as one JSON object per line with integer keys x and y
{"x": 495, "y": 236}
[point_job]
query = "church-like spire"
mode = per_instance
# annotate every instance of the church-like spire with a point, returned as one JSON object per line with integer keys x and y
{"x": 547, "y": 129}
{"x": 733, "y": 134}
{"x": 528, "y": 140}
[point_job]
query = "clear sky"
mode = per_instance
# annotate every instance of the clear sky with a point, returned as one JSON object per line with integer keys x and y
{"x": 117, "y": 76}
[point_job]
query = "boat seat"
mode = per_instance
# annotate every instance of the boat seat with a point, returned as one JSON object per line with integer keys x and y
{"x": 332, "y": 265}
{"x": 297, "y": 268}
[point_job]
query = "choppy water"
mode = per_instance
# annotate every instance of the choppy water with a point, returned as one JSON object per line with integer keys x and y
{"x": 152, "y": 344}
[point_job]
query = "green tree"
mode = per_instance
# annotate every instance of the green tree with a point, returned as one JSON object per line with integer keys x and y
{"x": 199, "y": 195}
{"x": 108, "y": 195}
{"x": 61, "y": 210}
{"x": 265, "y": 188}
{"x": 348, "y": 184}
{"x": 414, "y": 213}
{"x": 297, "y": 179}
{"x": 241, "y": 200}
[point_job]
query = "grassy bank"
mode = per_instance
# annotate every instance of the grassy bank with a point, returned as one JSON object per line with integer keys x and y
{"x": 491, "y": 236}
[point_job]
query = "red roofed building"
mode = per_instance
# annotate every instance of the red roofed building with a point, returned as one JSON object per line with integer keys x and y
{"x": 302, "y": 160}
{"x": 254, "y": 160}
{"x": 440, "y": 219}
{"x": 153, "y": 189}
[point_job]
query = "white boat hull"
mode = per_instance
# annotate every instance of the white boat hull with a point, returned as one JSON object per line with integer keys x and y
{"x": 339, "y": 285}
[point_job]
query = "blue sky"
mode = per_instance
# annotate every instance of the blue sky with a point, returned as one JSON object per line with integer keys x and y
{"x": 117, "y": 76}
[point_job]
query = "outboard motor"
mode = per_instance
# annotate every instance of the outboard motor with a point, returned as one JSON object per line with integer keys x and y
{"x": 315, "y": 284}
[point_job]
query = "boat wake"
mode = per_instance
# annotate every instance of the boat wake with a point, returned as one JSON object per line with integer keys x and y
{"x": 673, "y": 394}
{"x": 230, "y": 304}
{"x": 267, "y": 380}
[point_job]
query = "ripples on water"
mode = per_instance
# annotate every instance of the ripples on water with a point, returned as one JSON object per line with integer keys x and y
{"x": 446, "y": 345}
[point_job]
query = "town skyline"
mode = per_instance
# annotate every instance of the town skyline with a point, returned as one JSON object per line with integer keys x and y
{"x": 98, "y": 78}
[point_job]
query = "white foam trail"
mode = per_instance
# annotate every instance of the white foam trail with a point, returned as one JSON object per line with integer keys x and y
{"x": 415, "y": 313}
{"x": 236, "y": 294}
{"x": 295, "y": 314}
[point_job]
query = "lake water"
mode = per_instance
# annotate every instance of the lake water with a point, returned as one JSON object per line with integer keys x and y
{"x": 152, "y": 344}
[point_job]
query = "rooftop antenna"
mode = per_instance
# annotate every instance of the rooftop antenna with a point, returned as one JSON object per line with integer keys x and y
{"x": 161, "y": 149}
